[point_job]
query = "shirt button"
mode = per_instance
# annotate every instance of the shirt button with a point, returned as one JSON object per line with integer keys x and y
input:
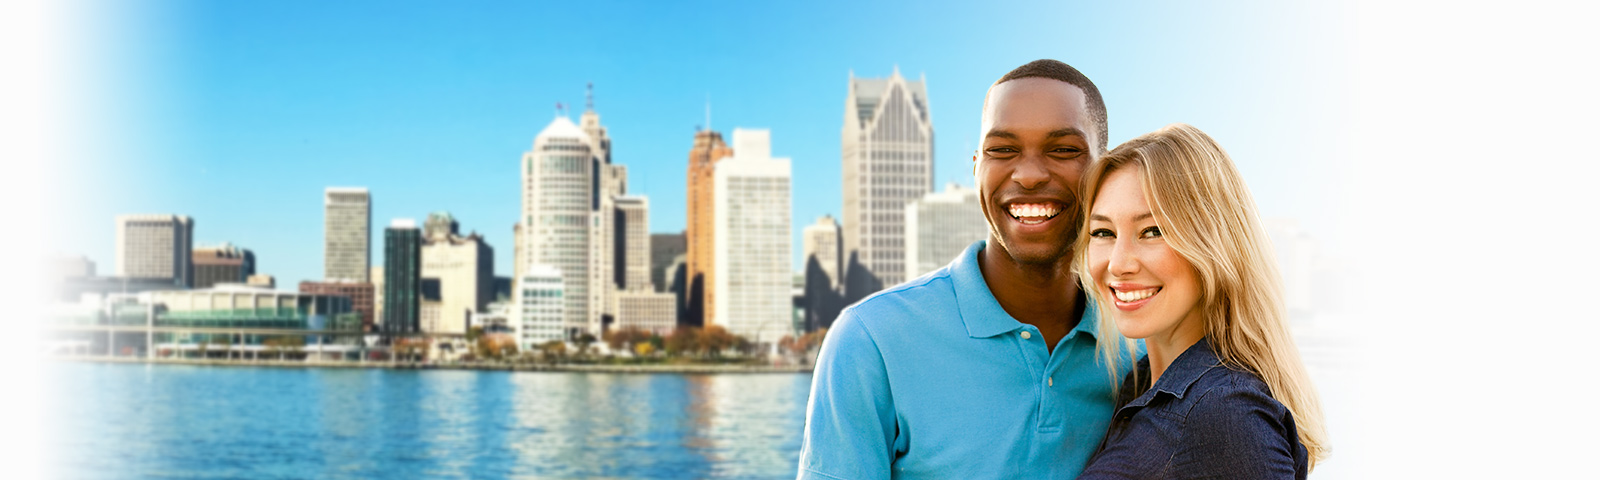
{"x": 1026, "y": 335}
{"x": 1051, "y": 381}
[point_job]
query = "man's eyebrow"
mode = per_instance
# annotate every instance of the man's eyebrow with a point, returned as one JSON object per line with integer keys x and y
{"x": 1001, "y": 134}
{"x": 1057, "y": 133}
{"x": 1065, "y": 132}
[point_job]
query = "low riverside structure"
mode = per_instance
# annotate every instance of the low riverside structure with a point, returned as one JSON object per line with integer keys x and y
{"x": 235, "y": 317}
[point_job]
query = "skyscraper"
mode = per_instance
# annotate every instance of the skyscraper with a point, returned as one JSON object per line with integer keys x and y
{"x": 633, "y": 216}
{"x": 940, "y": 226}
{"x": 612, "y": 182}
{"x": 225, "y": 263}
{"x": 156, "y": 246}
{"x": 559, "y": 180}
{"x": 707, "y": 151}
{"x": 347, "y": 226}
{"x": 464, "y": 267}
{"x": 402, "y": 270}
{"x": 754, "y": 283}
{"x": 822, "y": 242}
{"x": 664, "y": 247}
{"x": 887, "y": 143}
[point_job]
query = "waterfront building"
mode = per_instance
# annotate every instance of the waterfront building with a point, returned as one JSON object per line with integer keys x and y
{"x": 360, "y": 295}
{"x": 262, "y": 280}
{"x": 752, "y": 245}
{"x": 464, "y": 267}
{"x": 402, "y": 263}
{"x": 940, "y": 226}
{"x": 647, "y": 309}
{"x": 887, "y": 144}
{"x": 224, "y": 263}
{"x": 155, "y": 246}
{"x": 708, "y": 149}
{"x": 606, "y": 263}
{"x": 559, "y": 175}
{"x": 494, "y": 319}
{"x": 821, "y": 241}
{"x": 539, "y": 307}
{"x": 664, "y": 248}
{"x": 633, "y": 218}
{"x": 246, "y": 307}
{"x": 347, "y": 226}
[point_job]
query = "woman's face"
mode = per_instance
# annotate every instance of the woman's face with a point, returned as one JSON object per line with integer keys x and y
{"x": 1156, "y": 292}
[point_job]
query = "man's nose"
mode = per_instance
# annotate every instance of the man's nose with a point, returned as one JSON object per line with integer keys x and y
{"x": 1030, "y": 172}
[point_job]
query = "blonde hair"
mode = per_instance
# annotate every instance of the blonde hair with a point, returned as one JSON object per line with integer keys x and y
{"x": 1208, "y": 217}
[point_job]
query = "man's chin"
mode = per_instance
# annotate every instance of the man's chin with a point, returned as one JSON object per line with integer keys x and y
{"x": 1036, "y": 253}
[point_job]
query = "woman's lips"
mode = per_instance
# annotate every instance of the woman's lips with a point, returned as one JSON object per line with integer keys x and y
{"x": 1131, "y": 297}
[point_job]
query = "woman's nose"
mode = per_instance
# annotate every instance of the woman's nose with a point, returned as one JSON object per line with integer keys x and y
{"x": 1124, "y": 260}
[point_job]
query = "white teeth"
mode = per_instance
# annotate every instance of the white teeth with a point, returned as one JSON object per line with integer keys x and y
{"x": 1021, "y": 210}
{"x": 1135, "y": 295}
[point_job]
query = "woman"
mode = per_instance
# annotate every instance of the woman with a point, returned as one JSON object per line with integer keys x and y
{"x": 1174, "y": 254}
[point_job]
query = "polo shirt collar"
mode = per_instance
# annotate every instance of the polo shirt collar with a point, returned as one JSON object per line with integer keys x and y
{"x": 982, "y": 313}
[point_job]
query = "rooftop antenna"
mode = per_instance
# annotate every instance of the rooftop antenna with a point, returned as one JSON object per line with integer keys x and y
{"x": 588, "y": 97}
{"x": 558, "y": 110}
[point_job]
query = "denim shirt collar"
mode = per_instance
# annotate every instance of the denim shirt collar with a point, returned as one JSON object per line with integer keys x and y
{"x": 983, "y": 315}
{"x": 1184, "y": 371}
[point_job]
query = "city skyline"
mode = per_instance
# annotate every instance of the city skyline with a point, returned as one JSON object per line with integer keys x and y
{"x": 449, "y": 137}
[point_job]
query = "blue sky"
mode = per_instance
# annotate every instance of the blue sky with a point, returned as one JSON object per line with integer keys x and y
{"x": 240, "y": 113}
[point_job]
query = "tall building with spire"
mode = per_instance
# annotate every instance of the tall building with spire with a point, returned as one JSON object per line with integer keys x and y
{"x": 559, "y": 177}
{"x": 612, "y": 182}
{"x": 700, "y": 231}
{"x": 887, "y": 144}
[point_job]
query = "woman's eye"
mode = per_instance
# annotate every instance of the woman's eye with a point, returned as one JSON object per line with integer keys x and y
{"x": 1151, "y": 232}
{"x": 1100, "y": 233}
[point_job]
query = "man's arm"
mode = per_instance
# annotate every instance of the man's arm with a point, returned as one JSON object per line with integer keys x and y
{"x": 850, "y": 419}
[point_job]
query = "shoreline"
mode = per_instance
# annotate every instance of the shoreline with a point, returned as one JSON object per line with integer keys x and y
{"x": 564, "y": 367}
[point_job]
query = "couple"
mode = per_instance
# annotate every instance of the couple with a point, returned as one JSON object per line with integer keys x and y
{"x": 1006, "y": 363}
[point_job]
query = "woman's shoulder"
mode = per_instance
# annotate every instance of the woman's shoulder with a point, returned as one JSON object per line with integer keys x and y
{"x": 1227, "y": 388}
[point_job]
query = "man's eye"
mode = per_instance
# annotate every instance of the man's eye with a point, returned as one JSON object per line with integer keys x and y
{"x": 1101, "y": 233}
{"x": 1151, "y": 232}
{"x": 1001, "y": 150}
{"x": 1067, "y": 150}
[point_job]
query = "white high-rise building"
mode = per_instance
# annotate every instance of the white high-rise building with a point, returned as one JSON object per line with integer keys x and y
{"x": 347, "y": 230}
{"x": 822, "y": 241}
{"x": 941, "y": 225}
{"x": 558, "y": 213}
{"x": 538, "y": 309}
{"x": 752, "y": 240}
{"x": 634, "y": 213}
{"x": 887, "y": 144}
{"x": 156, "y": 246}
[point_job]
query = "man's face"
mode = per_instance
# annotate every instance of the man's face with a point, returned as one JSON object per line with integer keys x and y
{"x": 1035, "y": 146}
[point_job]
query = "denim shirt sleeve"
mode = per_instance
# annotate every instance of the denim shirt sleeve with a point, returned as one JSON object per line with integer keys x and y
{"x": 1237, "y": 430}
{"x": 850, "y": 419}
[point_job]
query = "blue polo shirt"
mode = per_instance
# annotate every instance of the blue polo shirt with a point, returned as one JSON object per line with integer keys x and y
{"x": 932, "y": 379}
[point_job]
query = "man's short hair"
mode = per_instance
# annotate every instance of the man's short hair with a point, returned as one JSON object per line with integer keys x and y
{"x": 1057, "y": 70}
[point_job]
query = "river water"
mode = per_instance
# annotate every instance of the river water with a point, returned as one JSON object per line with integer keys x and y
{"x": 173, "y": 421}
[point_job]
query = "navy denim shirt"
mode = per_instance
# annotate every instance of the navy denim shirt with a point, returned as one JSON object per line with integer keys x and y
{"x": 1201, "y": 420}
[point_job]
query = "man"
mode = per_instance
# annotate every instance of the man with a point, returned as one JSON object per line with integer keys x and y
{"x": 985, "y": 368}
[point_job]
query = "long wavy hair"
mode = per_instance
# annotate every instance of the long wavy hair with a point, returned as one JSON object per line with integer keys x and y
{"x": 1207, "y": 215}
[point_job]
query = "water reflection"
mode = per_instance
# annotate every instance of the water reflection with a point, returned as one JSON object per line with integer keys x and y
{"x": 119, "y": 421}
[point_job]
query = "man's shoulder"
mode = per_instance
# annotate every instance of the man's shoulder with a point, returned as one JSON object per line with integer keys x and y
{"x": 934, "y": 291}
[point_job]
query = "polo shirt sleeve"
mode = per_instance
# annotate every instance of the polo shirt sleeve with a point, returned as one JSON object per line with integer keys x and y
{"x": 850, "y": 419}
{"x": 1235, "y": 431}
